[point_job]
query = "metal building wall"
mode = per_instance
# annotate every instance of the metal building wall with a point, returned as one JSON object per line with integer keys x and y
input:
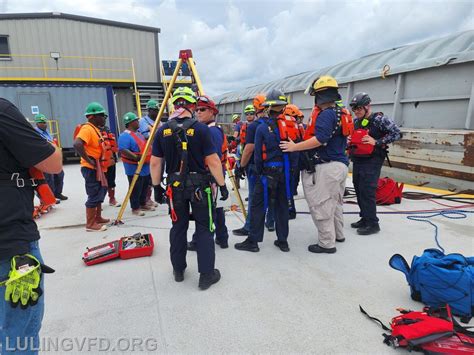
{"x": 67, "y": 104}
{"x": 77, "y": 38}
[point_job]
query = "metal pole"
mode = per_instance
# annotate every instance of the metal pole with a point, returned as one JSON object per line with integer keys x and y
{"x": 149, "y": 142}
{"x": 137, "y": 95}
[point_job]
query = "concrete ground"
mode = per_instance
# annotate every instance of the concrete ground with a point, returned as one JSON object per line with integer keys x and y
{"x": 266, "y": 302}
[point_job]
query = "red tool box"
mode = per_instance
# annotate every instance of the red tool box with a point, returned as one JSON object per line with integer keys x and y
{"x": 127, "y": 247}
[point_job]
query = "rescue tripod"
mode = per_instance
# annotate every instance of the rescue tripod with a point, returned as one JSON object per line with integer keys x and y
{"x": 185, "y": 56}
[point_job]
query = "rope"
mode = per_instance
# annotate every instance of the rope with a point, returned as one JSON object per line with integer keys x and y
{"x": 207, "y": 190}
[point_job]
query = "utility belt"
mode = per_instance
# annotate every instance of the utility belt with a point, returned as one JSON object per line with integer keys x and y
{"x": 309, "y": 161}
{"x": 19, "y": 180}
{"x": 188, "y": 180}
{"x": 273, "y": 168}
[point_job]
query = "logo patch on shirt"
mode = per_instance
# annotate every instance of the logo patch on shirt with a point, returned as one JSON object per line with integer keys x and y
{"x": 167, "y": 132}
{"x": 190, "y": 132}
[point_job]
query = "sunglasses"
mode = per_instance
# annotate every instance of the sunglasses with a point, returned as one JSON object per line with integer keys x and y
{"x": 202, "y": 109}
{"x": 358, "y": 108}
{"x": 203, "y": 99}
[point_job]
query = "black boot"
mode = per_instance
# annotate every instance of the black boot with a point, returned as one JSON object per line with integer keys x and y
{"x": 192, "y": 246}
{"x": 207, "y": 280}
{"x": 292, "y": 214}
{"x": 369, "y": 229}
{"x": 315, "y": 248}
{"x": 270, "y": 227}
{"x": 178, "y": 275}
{"x": 283, "y": 245}
{"x": 242, "y": 232}
{"x": 222, "y": 243}
{"x": 360, "y": 223}
{"x": 247, "y": 245}
{"x": 62, "y": 197}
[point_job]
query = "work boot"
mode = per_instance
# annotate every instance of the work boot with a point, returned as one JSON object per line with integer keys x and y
{"x": 151, "y": 203}
{"x": 98, "y": 216}
{"x": 58, "y": 201}
{"x": 178, "y": 275}
{"x": 112, "y": 200}
{"x": 247, "y": 245}
{"x": 192, "y": 246}
{"x": 138, "y": 212}
{"x": 242, "y": 232}
{"x": 291, "y": 214}
{"x": 315, "y": 248}
{"x": 148, "y": 207}
{"x": 222, "y": 243}
{"x": 369, "y": 229}
{"x": 270, "y": 227}
{"x": 91, "y": 224}
{"x": 61, "y": 197}
{"x": 358, "y": 224}
{"x": 207, "y": 280}
{"x": 283, "y": 245}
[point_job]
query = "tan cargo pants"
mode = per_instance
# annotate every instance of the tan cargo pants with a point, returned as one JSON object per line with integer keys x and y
{"x": 324, "y": 192}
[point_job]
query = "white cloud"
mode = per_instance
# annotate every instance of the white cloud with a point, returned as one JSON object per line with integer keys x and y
{"x": 241, "y": 43}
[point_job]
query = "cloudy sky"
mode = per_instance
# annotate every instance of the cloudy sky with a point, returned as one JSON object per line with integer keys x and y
{"x": 239, "y": 43}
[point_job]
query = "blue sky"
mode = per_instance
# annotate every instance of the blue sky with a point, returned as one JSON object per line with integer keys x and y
{"x": 241, "y": 43}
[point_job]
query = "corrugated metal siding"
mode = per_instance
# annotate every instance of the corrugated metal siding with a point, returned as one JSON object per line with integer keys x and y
{"x": 75, "y": 38}
{"x": 68, "y": 104}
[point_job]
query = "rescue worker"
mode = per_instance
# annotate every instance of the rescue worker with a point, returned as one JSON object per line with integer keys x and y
{"x": 185, "y": 147}
{"x": 246, "y": 165}
{"x": 250, "y": 116}
{"x": 237, "y": 125}
{"x": 381, "y": 131}
{"x": 272, "y": 174}
{"x": 21, "y": 150}
{"x": 111, "y": 172}
{"x": 131, "y": 147}
{"x": 325, "y": 175}
{"x": 206, "y": 113}
{"x": 95, "y": 155}
{"x": 55, "y": 181}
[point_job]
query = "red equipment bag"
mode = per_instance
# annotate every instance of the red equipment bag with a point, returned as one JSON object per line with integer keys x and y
{"x": 388, "y": 192}
{"x": 356, "y": 147}
{"x": 433, "y": 331}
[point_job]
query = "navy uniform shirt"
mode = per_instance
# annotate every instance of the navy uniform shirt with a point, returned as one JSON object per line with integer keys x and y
{"x": 334, "y": 145}
{"x": 21, "y": 147}
{"x": 199, "y": 146}
{"x": 217, "y": 136}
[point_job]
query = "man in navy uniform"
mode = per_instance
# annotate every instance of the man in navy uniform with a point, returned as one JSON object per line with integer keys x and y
{"x": 185, "y": 147}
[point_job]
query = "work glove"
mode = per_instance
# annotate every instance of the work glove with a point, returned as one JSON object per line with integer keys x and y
{"x": 239, "y": 172}
{"x": 23, "y": 283}
{"x": 159, "y": 194}
{"x": 224, "y": 193}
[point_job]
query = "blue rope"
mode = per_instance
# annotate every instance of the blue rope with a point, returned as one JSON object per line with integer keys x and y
{"x": 450, "y": 214}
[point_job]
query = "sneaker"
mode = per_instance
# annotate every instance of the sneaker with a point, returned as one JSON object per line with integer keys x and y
{"x": 315, "y": 248}
{"x": 178, "y": 275}
{"x": 270, "y": 228}
{"x": 207, "y": 280}
{"x": 147, "y": 208}
{"x": 222, "y": 243}
{"x": 192, "y": 246}
{"x": 283, "y": 245}
{"x": 358, "y": 224}
{"x": 242, "y": 232}
{"x": 369, "y": 229}
{"x": 247, "y": 245}
{"x": 138, "y": 213}
{"x": 62, "y": 197}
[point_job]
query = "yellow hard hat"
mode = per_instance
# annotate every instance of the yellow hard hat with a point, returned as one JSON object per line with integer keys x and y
{"x": 322, "y": 83}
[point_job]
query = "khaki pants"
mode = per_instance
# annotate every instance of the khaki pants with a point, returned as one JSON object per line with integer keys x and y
{"x": 324, "y": 191}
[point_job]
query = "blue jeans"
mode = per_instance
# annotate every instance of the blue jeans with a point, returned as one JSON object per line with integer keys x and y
{"x": 19, "y": 328}
{"x": 94, "y": 190}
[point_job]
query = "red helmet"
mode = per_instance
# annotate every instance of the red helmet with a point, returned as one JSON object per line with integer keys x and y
{"x": 205, "y": 101}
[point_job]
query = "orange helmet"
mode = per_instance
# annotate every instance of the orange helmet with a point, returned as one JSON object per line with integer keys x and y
{"x": 258, "y": 102}
{"x": 292, "y": 110}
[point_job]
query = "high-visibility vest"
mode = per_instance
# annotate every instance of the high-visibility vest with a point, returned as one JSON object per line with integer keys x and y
{"x": 141, "y": 143}
{"x": 345, "y": 121}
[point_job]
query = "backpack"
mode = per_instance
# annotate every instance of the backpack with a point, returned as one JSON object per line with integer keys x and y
{"x": 436, "y": 279}
{"x": 432, "y": 330}
{"x": 388, "y": 192}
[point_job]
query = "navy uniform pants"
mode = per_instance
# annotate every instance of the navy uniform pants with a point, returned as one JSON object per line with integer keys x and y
{"x": 183, "y": 199}
{"x": 94, "y": 190}
{"x": 280, "y": 209}
{"x": 221, "y": 229}
{"x": 365, "y": 176}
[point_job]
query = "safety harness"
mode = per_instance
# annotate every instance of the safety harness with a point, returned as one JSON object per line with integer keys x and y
{"x": 141, "y": 143}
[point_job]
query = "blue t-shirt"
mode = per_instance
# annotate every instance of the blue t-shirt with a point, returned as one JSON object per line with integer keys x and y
{"x": 126, "y": 141}
{"x": 334, "y": 147}
{"x": 200, "y": 145}
{"x": 144, "y": 126}
{"x": 237, "y": 127}
{"x": 45, "y": 134}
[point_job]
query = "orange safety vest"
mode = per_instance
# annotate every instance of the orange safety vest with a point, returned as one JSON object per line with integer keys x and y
{"x": 243, "y": 133}
{"x": 289, "y": 128}
{"x": 106, "y": 159}
{"x": 344, "y": 120}
{"x": 141, "y": 145}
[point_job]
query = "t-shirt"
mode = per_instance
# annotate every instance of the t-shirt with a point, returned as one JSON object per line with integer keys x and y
{"x": 199, "y": 146}
{"x": 334, "y": 145}
{"x": 144, "y": 126}
{"x": 126, "y": 141}
{"x": 91, "y": 137}
{"x": 237, "y": 127}
{"x": 20, "y": 148}
{"x": 250, "y": 138}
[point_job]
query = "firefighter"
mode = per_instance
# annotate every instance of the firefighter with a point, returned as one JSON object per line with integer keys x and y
{"x": 131, "y": 146}
{"x": 55, "y": 181}
{"x": 380, "y": 131}
{"x": 185, "y": 147}
{"x": 95, "y": 155}
{"x": 326, "y": 168}
{"x": 272, "y": 173}
{"x": 22, "y": 150}
{"x": 206, "y": 113}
